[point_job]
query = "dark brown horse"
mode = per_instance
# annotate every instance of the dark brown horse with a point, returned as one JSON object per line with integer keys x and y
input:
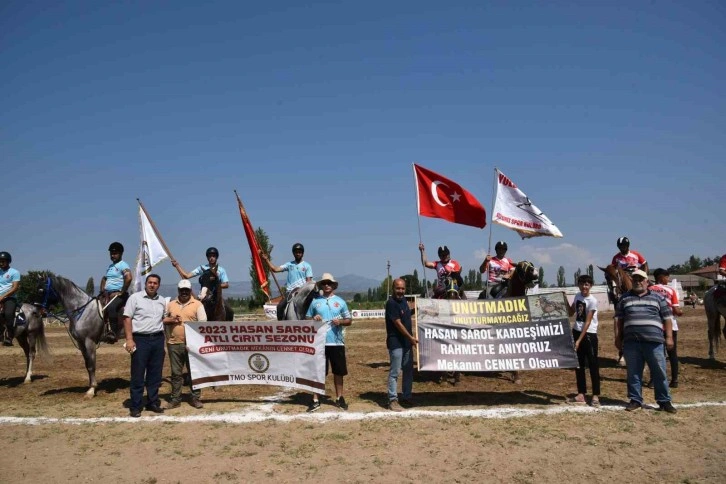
{"x": 715, "y": 303}
{"x": 215, "y": 306}
{"x": 525, "y": 276}
{"x": 450, "y": 290}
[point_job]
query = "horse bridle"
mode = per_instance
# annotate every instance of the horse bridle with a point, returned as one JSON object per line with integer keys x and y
{"x": 49, "y": 291}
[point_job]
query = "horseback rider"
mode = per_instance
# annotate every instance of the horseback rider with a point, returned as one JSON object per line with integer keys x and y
{"x": 627, "y": 259}
{"x": 299, "y": 273}
{"x": 721, "y": 277}
{"x": 114, "y": 289}
{"x": 9, "y": 285}
{"x": 212, "y": 264}
{"x": 499, "y": 269}
{"x": 445, "y": 267}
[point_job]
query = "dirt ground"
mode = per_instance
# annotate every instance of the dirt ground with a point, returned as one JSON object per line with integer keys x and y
{"x": 485, "y": 428}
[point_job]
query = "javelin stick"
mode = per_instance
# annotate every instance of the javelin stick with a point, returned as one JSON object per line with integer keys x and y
{"x": 489, "y": 248}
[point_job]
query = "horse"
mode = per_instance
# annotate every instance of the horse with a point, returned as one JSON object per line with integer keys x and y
{"x": 715, "y": 303}
{"x": 214, "y": 304}
{"x": 85, "y": 319}
{"x": 619, "y": 281}
{"x": 295, "y": 304}
{"x": 30, "y": 333}
{"x": 524, "y": 276}
{"x": 449, "y": 289}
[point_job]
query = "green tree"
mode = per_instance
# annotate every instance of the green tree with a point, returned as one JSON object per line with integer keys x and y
{"x": 561, "y": 277}
{"x": 578, "y": 273}
{"x": 258, "y": 297}
{"x": 541, "y": 276}
{"x": 30, "y": 285}
{"x": 591, "y": 271}
{"x": 357, "y": 298}
{"x": 90, "y": 286}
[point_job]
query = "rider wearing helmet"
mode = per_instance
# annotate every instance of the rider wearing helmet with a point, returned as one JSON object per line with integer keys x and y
{"x": 722, "y": 268}
{"x": 445, "y": 267}
{"x": 299, "y": 273}
{"x": 114, "y": 288}
{"x": 499, "y": 268}
{"x": 9, "y": 285}
{"x": 212, "y": 263}
{"x": 628, "y": 259}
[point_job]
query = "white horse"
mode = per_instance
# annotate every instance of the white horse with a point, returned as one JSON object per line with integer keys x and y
{"x": 295, "y": 304}
{"x": 30, "y": 333}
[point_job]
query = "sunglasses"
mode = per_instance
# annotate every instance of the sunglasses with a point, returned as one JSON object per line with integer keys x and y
{"x": 326, "y": 283}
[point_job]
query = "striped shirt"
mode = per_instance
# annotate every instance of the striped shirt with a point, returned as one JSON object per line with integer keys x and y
{"x": 643, "y": 316}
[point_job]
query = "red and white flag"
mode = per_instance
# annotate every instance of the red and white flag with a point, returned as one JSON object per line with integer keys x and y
{"x": 439, "y": 197}
{"x": 515, "y": 210}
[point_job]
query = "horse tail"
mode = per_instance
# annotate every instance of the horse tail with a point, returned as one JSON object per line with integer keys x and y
{"x": 41, "y": 344}
{"x": 713, "y": 317}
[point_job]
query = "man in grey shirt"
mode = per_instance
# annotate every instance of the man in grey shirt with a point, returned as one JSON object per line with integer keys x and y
{"x": 143, "y": 316}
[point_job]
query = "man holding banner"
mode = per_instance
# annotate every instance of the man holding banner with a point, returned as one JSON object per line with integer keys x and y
{"x": 334, "y": 312}
{"x": 400, "y": 342}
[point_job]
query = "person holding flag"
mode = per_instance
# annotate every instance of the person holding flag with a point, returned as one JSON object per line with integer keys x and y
{"x": 444, "y": 267}
{"x": 212, "y": 263}
{"x": 114, "y": 289}
{"x": 498, "y": 268}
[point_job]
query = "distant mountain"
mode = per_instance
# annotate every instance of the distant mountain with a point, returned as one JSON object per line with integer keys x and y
{"x": 349, "y": 284}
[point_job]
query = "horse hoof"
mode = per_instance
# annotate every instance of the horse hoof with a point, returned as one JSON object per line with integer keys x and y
{"x": 26, "y": 381}
{"x": 518, "y": 381}
{"x": 90, "y": 393}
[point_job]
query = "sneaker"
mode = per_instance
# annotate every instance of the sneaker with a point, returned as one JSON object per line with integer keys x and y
{"x": 673, "y": 384}
{"x": 667, "y": 407}
{"x": 394, "y": 406}
{"x": 313, "y": 407}
{"x": 633, "y": 405}
{"x": 595, "y": 401}
{"x": 155, "y": 408}
{"x": 172, "y": 404}
{"x": 135, "y": 413}
{"x": 579, "y": 400}
{"x": 342, "y": 403}
{"x": 196, "y": 403}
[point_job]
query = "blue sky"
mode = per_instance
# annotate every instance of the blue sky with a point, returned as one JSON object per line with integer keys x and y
{"x": 611, "y": 118}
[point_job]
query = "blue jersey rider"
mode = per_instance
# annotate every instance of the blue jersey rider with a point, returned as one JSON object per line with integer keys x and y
{"x": 299, "y": 274}
{"x": 9, "y": 285}
{"x": 114, "y": 289}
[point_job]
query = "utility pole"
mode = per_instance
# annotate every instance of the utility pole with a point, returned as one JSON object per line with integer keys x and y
{"x": 388, "y": 279}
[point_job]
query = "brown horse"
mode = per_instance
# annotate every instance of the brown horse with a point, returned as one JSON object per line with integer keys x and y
{"x": 450, "y": 290}
{"x": 618, "y": 280}
{"x": 715, "y": 303}
{"x": 524, "y": 277}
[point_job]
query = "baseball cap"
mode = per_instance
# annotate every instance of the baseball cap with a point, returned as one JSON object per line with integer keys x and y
{"x": 184, "y": 284}
{"x": 638, "y": 272}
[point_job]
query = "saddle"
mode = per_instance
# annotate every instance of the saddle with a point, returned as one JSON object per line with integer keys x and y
{"x": 104, "y": 300}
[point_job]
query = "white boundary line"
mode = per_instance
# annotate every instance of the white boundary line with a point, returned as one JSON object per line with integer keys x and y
{"x": 265, "y": 415}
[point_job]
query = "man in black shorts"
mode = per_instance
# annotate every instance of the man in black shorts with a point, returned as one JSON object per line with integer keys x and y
{"x": 334, "y": 312}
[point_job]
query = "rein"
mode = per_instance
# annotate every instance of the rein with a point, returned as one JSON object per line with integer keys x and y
{"x": 70, "y": 313}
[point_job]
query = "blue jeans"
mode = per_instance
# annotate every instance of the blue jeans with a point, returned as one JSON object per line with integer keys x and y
{"x": 147, "y": 364}
{"x": 637, "y": 354}
{"x": 401, "y": 359}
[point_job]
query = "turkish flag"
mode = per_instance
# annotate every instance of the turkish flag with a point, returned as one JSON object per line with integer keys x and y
{"x": 439, "y": 197}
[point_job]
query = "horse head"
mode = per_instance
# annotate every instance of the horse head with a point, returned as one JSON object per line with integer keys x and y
{"x": 526, "y": 272}
{"x": 618, "y": 281}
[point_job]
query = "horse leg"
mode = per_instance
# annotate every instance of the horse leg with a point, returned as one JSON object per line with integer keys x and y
{"x": 516, "y": 379}
{"x": 88, "y": 349}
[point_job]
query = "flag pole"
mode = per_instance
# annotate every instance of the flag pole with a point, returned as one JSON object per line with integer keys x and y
{"x": 156, "y": 231}
{"x": 489, "y": 248}
{"x": 418, "y": 216}
{"x": 243, "y": 213}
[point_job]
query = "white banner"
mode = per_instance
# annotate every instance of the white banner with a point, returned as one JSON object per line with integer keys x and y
{"x": 287, "y": 353}
{"x": 515, "y": 210}
{"x": 271, "y": 312}
{"x": 151, "y": 251}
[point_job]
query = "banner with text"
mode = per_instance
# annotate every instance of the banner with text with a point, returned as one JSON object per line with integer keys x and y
{"x": 289, "y": 353}
{"x": 512, "y": 334}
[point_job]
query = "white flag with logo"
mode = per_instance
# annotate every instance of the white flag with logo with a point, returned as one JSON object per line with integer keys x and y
{"x": 515, "y": 210}
{"x": 151, "y": 251}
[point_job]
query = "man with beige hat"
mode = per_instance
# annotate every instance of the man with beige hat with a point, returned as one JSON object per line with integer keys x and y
{"x": 333, "y": 311}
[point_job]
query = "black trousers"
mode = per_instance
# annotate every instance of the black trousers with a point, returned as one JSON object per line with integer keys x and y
{"x": 587, "y": 356}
